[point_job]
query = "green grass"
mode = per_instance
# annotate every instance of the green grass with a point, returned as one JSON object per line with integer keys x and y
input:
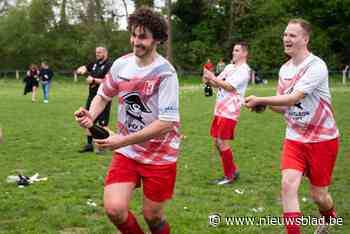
{"x": 45, "y": 139}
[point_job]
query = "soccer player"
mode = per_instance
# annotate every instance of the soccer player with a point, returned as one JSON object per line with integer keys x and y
{"x": 311, "y": 143}
{"x": 148, "y": 139}
{"x": 232, "y": 84}
{"x": 97, "y": 71}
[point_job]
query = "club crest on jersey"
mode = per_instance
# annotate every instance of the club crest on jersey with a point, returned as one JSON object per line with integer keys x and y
{"x": 149, "y": 87}
{"x": 135, "y": 108}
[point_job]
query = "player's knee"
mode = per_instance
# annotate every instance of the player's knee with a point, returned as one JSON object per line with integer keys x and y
{"x": 116, "y": 211}
{"x": 152, "y": 215}
{"x": 318, "y": 196}
{"x": 221, "y": 145}
{"x": 289, "y": 187}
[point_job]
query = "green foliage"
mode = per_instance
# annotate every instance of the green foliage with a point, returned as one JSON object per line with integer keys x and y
{"x": 34, "y": 31}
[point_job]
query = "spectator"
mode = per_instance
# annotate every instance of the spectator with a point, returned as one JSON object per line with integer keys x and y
{"x": 32, "y": 81}
{"x": 209, "y": 65}
{"x": 45, "y": 75}
{"x": 220, "y": 66}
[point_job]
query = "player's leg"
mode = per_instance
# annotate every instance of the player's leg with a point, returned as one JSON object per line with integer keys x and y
{"x": 158, "y": 186}
{"x": 116, "y": 204}
{"x": 222, "y": 131}
{"x": 293, "y": 165}
{"x": 120, "y": 182}
{"x": 291, "y": 180}
{"x": 323, "y": 200}
{"x": 229, "y": 167}
{"x": 322, "y": 159}
{"x": 153, "y": 213}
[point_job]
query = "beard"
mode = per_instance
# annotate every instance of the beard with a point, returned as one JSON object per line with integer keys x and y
{"x": 143, "y": 51}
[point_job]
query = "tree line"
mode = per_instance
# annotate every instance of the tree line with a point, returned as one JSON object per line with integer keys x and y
{"x": 65, "y": 32}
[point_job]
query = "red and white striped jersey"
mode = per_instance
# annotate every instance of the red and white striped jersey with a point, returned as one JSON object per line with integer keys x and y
{"x": 312, "y": 119}
{"x": 145, "y": 94}
{"x": 228, "y": 104}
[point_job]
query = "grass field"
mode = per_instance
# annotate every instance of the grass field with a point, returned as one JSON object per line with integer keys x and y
{"x": 44, "y": 138}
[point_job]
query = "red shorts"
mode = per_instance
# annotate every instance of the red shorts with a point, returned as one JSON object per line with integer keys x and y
{"x": 315, "y": 160}
{"x": 223, "y": 128}
{"x": 158, "y": 180}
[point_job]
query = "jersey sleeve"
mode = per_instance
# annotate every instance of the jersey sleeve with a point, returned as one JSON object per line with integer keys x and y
{"x": 313, "y": 77}
{"x": 169, "y": 98}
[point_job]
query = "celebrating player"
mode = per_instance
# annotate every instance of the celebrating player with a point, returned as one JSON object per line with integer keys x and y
{"x": 311, "y": 143}
{"x": 148, "y": 139}
{"x": 232, "y": 83}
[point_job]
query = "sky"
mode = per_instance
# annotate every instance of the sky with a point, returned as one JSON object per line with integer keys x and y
{"x": 131, "y": 8}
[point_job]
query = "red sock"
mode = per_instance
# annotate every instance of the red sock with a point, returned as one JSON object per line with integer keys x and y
{"x": 130, "y": 226}
{"x": 162, "y": 228}
{"x": 289, "y": 219}
{"x": 328, "y": 214}
{"x": 227, "y": 162}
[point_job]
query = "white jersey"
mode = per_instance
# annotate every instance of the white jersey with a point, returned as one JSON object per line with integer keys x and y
{"x": 312, "y": 119}
{"x": 228, "y": 103}
{"x": 145, "y": 94}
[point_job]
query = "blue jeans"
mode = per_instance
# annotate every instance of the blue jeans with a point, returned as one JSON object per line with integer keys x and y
{"x": 46, "y": 88}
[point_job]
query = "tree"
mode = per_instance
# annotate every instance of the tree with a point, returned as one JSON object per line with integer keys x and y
{"x": 5, "y": 6}
{"x": 169, "y": 42}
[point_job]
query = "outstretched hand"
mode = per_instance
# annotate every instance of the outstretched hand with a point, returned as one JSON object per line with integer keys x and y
{"x": 252, "y": 103}
{"x": 81, "y": 70}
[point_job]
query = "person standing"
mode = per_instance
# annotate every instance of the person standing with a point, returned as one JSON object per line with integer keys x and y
{"x": 232, "y": 83}
{"x": 220, "y": 66}
{"x": 312, "y": 138}
{"x": 45, "y": 75}
{"x": 209, "y": 65}
{"x": 31, "y": 81}
{"x": 97, "y": 71}
{"x": 148, "y": 140}
{"x": 208, "y": 90}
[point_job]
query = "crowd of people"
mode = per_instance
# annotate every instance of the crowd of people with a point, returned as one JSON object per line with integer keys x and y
{"x": 146, "y": 146}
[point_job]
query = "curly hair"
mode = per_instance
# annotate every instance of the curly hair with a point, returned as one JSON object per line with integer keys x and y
{"x": 147, "y": 18}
